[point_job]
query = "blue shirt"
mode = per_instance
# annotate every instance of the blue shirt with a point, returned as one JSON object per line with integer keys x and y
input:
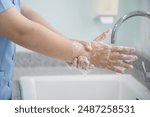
{"x": 7, "y": 54}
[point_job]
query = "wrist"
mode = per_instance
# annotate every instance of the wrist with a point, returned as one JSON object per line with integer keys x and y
{"x": 78, "y": 49}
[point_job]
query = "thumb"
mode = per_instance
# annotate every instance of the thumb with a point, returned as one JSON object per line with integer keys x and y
{"x": 88, "y": 46}
{"x": 103, "y": 36}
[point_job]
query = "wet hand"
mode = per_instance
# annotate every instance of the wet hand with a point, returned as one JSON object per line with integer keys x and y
{"x": 105, "y": 56}
{"x": 110, "y": 56}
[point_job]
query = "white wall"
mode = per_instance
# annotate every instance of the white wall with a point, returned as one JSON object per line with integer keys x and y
{"x": 145, "y": 41}
{"x": 74, "y": 18}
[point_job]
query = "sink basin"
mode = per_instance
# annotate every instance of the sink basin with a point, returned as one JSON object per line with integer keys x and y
{"x": 80, "y": 87}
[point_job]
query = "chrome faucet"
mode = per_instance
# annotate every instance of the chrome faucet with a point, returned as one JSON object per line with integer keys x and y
{"x": 146, "y": 73}
{"x": 123, "y": 19}
{"x": 118, "y": 24}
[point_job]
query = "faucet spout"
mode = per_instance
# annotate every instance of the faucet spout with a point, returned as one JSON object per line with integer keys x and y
{"x": 123, "y": 19}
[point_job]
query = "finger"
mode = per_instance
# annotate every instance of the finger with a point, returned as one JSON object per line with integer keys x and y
{"x": 120, "y": 64}
{"x": 103, "y": 36}
{"x": 118, "y": 56}
{"x": 88, "y": 46}
{"x": 69, "y": 63}
{"x": 74, "y": 64}
{"x": 122, "y": 49}
{"x": 85, "y": 63}
{"x": 92, "y": 66}
{"x": 115, "y": 69}
{"x": 79, "y": 62}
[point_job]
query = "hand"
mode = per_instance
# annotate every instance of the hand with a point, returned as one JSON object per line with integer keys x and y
{"x": 117, "y": 59}
{"x": 105, "y": 56}
{"x": 109, "y": 56}
{"x": 82, "y": 62}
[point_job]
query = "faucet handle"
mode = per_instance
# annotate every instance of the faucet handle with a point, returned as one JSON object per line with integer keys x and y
{"x": 146, "y": 74}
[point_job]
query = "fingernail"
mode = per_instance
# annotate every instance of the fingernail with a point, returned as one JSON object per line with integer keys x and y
{"x": 122, "y": 71}
{"x": 135, "y": 57}
{"x": 131, "y": 67}
{"x": 133, "y": 49}
{"x": 92, "y": 66}
{"x": 109, "y": 31}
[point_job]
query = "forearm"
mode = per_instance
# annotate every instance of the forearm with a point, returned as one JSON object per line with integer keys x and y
{"x": 34, "y": 16}
{"x": 51, "y": 44}
{"x": 36, "y": 37}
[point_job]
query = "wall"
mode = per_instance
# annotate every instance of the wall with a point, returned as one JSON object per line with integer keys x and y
{"x": 145, "y": 41}
{"x": 74, "y": 18}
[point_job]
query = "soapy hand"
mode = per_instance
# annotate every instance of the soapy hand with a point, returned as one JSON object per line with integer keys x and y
{"x": 105, "y": 56}
{"x": 82, "y": 62}
{"x": 111, "y": 57}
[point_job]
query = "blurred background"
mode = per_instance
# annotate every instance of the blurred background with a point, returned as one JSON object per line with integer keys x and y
{"x": 84, "y": 20}
{"x": 78, "y": 19}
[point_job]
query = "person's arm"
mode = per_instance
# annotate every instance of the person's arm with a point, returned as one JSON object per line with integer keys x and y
{"x": 36, "y": 37}
{"x": 34, "y": 16}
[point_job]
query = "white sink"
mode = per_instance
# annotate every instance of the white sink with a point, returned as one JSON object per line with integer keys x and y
{"x": 79, "y": 87}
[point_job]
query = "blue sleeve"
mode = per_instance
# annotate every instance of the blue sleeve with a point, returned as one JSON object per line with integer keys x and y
{"x": 5, "y": 4}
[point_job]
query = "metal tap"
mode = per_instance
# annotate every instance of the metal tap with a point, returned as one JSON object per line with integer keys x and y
{"x": 146, "y": 73}
{"x": 123, "y": 19}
